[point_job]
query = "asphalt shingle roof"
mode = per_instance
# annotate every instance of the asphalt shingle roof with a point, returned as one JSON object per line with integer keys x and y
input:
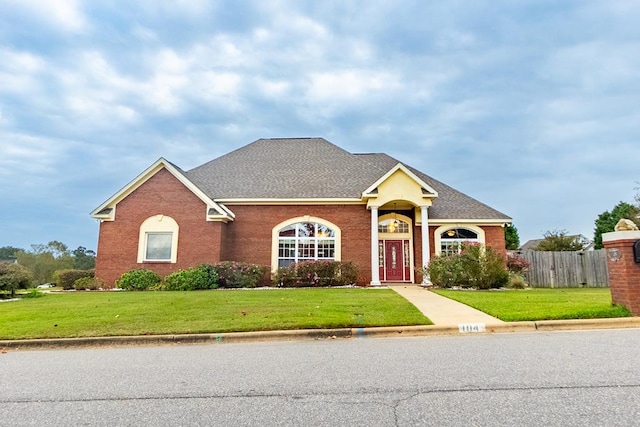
{"x": 302, "y": 168}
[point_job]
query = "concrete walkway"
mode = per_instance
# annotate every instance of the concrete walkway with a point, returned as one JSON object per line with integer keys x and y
{"x": 440, "y": 310}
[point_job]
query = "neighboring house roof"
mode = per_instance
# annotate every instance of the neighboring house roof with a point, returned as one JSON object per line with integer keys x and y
{"x": 313, "y": 168}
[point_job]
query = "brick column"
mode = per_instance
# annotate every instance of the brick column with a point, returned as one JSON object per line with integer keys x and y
{"x": 624, "y": 273}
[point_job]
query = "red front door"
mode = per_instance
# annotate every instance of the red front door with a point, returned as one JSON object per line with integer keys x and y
{"x": 394, "y": 261}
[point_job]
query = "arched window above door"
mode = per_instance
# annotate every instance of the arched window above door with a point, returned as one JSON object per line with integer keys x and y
{"x": 392, "y": 225}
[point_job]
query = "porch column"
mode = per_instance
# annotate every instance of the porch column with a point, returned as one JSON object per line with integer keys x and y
{"x": 375, "y": 272}
{"x": 426, "y": 254}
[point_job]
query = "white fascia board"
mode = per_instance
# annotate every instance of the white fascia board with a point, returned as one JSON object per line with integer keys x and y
{"x": 265, "y": 201}
{"x": 367, "y": 193}
{"x": 480, "y": 221}
{"x": 144, "y": 177}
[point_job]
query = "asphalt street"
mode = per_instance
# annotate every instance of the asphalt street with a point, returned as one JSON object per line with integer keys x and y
{"x": 526, "y": 379}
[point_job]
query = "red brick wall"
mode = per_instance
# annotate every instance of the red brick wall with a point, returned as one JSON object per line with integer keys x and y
{"x": 248, "y": 238}
{"x": 494, "y": 237}
{"x": 199, "y": 241}
{"x": 624, "y": 276}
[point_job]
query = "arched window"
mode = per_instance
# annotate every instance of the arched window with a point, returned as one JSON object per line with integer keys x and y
{"x": 452, "y": 239}
{"x": 158, "y": 240}
{"x": 305, "y": 241}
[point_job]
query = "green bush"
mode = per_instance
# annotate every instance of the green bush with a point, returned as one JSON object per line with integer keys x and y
{"x": 14, "y": 276}
{"x": 516, "y": 281}
{"x": 195, "y": 278}
{"x": 211, "y": 272}
{"x": 88, "y": 283}
{"x": 347, "y": 274}
{"x": 66, "y": 278}
{"x": 317, "y": 274}
{"x": 239, "y": 274}
{"x": 33, "y": 293}
{"x": 476, "y": 266}
{"x": 138, "y": 280}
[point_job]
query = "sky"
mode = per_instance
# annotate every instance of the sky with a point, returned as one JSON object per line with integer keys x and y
{"x": 530, "y": 106}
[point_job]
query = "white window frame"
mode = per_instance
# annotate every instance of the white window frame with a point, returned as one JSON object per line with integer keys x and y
{"x": 275, "y": 240}
{"x": 444, "y": 228}
{"x": 158, "y": 224}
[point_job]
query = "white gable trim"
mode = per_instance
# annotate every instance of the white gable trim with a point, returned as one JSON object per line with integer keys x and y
{"x": 369, "y": 192}
{"x": 106, "y": 211}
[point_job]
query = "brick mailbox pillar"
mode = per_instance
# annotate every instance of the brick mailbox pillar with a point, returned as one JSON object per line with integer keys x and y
{"x": 624, "y": 272}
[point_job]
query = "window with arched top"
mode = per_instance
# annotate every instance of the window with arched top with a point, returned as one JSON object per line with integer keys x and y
{"x": 158, "y": 240}
{"x": 309, "y": 240}
{"x": 452, "y": 239}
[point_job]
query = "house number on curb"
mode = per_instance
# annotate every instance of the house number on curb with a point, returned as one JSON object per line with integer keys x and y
{"x": 471, "y": 327}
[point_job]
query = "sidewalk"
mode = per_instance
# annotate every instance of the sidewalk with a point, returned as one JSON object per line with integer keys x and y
{"x": 440, "y": 310}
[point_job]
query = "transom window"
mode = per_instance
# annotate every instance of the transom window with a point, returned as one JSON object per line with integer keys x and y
{"x": 305, "y": 241}
{"x": 451, "y": 240}
{"x": 392, "y": 225}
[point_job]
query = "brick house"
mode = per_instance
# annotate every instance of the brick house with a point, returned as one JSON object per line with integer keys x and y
{"x": 278, "y": 201}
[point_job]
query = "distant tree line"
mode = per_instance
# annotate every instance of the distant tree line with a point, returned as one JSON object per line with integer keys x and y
{"x": 21, "y": 268}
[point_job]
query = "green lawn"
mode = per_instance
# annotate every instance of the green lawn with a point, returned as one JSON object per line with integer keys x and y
{"x": 84, "y": 314}
{"x": 541, "y": 304}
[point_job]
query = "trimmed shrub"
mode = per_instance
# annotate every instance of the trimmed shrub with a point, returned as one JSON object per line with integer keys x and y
{"x": 516, "y": 281}
{"x": 239, "y": 274}
{"x": 138, "y": 280}
{"x": 211, "y": 272}
{"x": 347, "y": 274}
{"x": 195, "y": 278}
{"x": 517, "y": 264}
{"x": 476, "y": 266}
{"x": 67, "y": 278}
{"x": 317, "y": 274}
{"x": 88, "y": 283}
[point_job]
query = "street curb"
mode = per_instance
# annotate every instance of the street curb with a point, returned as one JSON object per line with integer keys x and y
{"x": 321, "y": 334}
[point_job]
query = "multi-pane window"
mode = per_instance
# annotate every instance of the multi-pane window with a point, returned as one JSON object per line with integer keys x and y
{"x": 393, "y": 226}
{"x": 158, "y": 246}
{"x": 305, "y": 241}
{"x": 451, "y": 240}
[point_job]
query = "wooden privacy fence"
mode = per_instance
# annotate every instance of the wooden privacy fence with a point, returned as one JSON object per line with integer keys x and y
{"x": 566, "y": 269}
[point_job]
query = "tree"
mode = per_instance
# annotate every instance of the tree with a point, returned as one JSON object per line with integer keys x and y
{"x": 83, "y": 258}
{"x": 14, "y": 276}
{"x": 511, "y": 237}
{"x": 558, "y": 240}
{"x": 607, "y": 221}
{"x": 44, "y": 260}
{"x": 7, "y": 252}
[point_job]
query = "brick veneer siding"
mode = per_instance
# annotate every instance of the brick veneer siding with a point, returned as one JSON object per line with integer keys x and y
{"x": 247, "y": 239}
{"x": 249, "y": 236}
{"x": 494, "y": 237}
{"x": 199, "y": 241}
{"x": 624, "y": 274}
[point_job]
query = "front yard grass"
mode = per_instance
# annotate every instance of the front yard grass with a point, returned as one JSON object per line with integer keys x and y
{"x": 85, "y": 314}
{"x": 540, "y": 304}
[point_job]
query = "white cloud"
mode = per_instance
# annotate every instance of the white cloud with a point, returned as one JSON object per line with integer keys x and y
{"x": 19, "y": 71}
{"x": 65, "y": 15}
{"x": 350, "y": 85}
